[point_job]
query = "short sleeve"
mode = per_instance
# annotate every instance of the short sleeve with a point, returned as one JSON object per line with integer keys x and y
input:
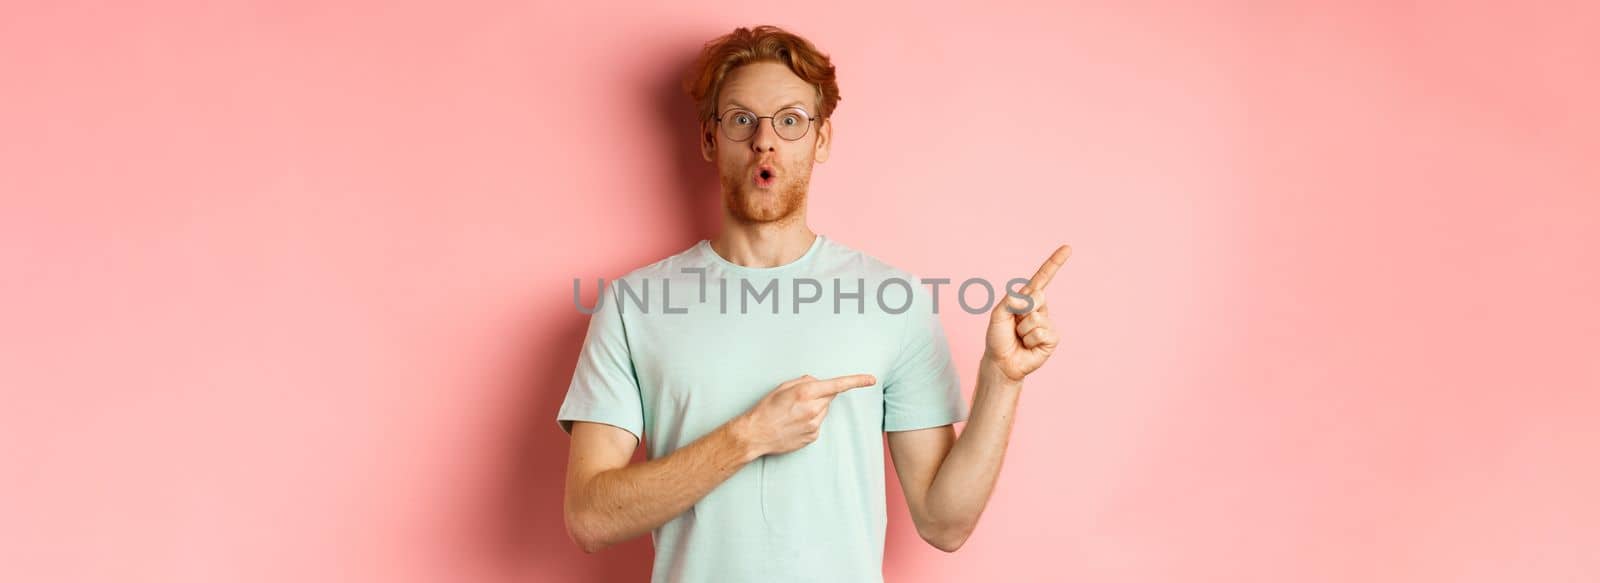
{"x": 604, "y": 387}
{"x": 922, "y": 388}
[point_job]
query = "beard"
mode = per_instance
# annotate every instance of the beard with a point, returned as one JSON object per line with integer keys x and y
{"x": 778, "y": 205}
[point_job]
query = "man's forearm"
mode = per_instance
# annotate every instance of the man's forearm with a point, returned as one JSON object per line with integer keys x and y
{"x": 619, "y": 504}
{"x": 962, "y": 486}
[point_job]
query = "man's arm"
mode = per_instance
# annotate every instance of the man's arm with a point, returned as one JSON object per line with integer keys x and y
{"x": 609, "y": 501}
{"x": 947, "y": 480}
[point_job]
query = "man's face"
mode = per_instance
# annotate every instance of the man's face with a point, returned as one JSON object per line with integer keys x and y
{"x": 764, "y": 89}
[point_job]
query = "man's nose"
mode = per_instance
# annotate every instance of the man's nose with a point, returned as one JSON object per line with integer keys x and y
{"x": 766, "y": 137}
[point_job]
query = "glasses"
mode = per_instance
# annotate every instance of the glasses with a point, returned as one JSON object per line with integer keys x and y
{"x": 790, "y": 123}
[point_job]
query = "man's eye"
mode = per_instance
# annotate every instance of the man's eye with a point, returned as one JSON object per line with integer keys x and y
{"x": 791, "y": 119}
{"x": 741, "y": 119}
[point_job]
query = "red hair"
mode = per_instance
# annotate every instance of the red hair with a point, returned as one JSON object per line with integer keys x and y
{"x": 764, "y": 43}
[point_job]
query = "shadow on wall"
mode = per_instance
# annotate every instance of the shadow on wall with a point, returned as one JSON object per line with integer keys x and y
{"x": 528, "y": 536}
{"x": 698, "y": 187}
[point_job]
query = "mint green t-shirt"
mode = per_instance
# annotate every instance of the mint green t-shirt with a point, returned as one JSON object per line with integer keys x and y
{"x": 706, "y": 345}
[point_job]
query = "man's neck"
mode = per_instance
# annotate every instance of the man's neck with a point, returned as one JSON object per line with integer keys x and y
{"x": 763, "y": 245}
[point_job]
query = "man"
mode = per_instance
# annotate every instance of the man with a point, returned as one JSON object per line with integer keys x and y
{"x": 760, "y": 397}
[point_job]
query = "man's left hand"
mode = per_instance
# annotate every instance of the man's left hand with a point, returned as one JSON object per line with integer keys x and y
{"x": 1018, "y": 343}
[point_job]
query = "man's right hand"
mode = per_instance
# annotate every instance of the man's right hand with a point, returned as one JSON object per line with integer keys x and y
{"x": 790, "y": 417}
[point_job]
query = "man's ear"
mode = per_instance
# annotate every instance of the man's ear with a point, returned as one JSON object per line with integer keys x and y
{"x": 824, "y": 139}
{"x": 708, "y": 143}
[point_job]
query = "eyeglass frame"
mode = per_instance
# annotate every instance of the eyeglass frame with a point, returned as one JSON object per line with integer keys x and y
{"x": 810, "y": 122}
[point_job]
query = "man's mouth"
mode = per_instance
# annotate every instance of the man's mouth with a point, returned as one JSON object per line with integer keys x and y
{"x": 765, "y": 176}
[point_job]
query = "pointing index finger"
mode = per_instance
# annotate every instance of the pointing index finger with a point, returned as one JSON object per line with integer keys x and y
{"x": 836, "y": 385}
{"x": 1047, "y": 271}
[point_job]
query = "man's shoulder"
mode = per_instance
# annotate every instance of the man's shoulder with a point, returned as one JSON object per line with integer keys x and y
{"x": 869, "y": 266}
{"x": 884, "y": 278}
{"x": 669, "y": 266}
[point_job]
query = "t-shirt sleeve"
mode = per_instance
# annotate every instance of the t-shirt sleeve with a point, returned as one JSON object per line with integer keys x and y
{"x": 922, "y": 388}
{"x": 604, "y": 387}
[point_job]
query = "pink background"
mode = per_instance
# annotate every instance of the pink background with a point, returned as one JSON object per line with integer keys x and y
{"x": 287, "y": 285}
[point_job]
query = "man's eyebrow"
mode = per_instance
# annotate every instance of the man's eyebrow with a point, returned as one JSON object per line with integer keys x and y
{"x": 789, "y": 104}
